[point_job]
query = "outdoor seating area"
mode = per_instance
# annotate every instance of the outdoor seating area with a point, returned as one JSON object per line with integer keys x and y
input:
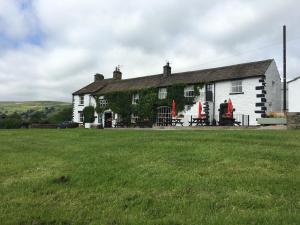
{"x": 167, "y": 117}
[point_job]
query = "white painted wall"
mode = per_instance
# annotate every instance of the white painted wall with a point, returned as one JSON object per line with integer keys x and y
{"x": 294, "y": 95}
{"x": 273, "y": 88}
{"x": 88, "y": 101}
{"x": 193, "y": 110}
{"x": 242, "y": 103}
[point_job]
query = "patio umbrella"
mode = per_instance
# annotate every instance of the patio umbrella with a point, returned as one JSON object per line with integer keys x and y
{"x": 199, "y": 110}
{"x": 230, "y": 107}
{"x": 173, "y": 108}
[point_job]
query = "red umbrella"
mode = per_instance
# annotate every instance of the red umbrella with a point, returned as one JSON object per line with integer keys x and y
{"x": 230, "y": 107}
{"x": 199, "y": 110}
{"x": 173, "y": 108}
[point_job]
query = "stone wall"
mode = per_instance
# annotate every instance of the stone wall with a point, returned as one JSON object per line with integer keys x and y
{"x": 293, "y": 120}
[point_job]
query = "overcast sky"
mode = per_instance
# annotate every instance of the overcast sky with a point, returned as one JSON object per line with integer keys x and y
{"x": 49, "y": 49}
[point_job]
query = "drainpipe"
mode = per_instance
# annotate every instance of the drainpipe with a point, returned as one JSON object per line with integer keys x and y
{"x": 214, "y": 103}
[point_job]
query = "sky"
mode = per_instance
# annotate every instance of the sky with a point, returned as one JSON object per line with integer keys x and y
{"x": 49, "y": 49}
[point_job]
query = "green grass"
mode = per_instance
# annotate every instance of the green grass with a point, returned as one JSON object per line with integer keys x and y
{"x": 19, "y": 107}
{"x": 149, "y": 177}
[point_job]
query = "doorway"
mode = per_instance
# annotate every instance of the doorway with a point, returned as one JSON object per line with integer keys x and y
{"x": 108, "y": 120}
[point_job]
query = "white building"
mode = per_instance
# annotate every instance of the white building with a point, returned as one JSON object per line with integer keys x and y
{"x": 254, "y": 88}
{"x": 294, "y": 95}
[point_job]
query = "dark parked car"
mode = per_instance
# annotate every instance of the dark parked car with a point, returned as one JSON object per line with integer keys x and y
{"x": 67, "y": 124}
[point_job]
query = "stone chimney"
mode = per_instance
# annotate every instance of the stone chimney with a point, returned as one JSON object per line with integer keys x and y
{"x": 98, "y": 77}
{"x": 117, "y": 74}
{"x": 167, "y": 70}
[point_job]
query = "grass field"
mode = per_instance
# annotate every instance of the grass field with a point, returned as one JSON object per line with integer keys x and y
{"x": 149, "y": 177}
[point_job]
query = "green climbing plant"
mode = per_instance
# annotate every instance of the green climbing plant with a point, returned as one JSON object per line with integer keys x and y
{"x": 145, "y": 109}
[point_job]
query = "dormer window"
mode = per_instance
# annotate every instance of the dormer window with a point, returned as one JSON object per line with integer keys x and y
{"x": 162, "y": 93}
{"x": 189, "y": 91}
{"x": 81, "y": 100}
{"x": 135, "y": 98}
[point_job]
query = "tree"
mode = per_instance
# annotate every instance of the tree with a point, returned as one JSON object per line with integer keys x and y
{"x": 61, "y": 116}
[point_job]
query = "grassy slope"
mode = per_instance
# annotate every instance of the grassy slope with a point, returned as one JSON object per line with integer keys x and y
{"x": 10, "y": 107}
{"x": 149, "y": 177}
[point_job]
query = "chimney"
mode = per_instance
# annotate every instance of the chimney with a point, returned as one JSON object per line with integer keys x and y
{"x": 167, "y": 70}
{"x": 117, "y": 74}
{"x": 98, "y": 77}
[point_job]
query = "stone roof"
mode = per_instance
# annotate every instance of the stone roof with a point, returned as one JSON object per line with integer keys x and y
{"x": 233, "y": 72}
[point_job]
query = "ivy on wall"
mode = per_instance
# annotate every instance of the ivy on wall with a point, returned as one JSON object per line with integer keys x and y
{"x": 147, "y": 104}
{"x": 121, "y": 102}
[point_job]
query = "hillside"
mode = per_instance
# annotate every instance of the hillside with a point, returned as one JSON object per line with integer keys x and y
{"x": 34, "y": 106}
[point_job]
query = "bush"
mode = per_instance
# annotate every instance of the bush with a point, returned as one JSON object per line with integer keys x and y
{"x": 37, "y": 117}
{"x": 13, "y": 121}
{"x": 88, "y": 114}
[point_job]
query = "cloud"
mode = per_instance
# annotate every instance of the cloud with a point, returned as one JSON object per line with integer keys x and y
{"x": 50, "y": 50}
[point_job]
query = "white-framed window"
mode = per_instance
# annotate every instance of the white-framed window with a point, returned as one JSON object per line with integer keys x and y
{"x": 135, "y": 98}
{"x": 134, "y": 117}
{"x": 189, "y": 91}
{"x": 162, "y": 93}
{"x": 237, "y": 86}
{"x": 81, "y": 100}
{"x": 102, "y": 103}
{"x": 81, "y": 118}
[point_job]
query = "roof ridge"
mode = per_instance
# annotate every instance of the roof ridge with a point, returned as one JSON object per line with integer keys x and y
{"x": 201, "y": 70}
{"x": 294, "y": 79}
{"x": 223, "y": 67}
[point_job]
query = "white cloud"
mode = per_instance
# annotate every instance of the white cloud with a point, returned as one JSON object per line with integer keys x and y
{"x": 83, "y": 37}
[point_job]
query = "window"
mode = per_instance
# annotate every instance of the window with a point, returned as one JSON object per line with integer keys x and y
{"x": 189, "y": 91}
{"x": 209, "y": 87}
{"x": 80, "y": 117}
{"x": 135, "y": 98}
{"x": 134, "y": 117}
{"x": 209, "y": 93}
{"x": 162, "y": 93}
{"x": 81, "y": 100}
{"x": 102, "y": 103}
{"x": 236, "y": 86}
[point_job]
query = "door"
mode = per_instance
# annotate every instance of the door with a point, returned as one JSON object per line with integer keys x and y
{"x": 164, "y": 116}
{"x": 108, "y": 120}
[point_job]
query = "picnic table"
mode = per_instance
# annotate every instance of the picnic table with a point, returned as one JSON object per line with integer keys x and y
{"x": 170, "y": 122}
{"x": 197, "y": 121}
{"x": 176, "y": 121}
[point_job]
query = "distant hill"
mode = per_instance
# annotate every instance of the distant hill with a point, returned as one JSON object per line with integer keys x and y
{"x": 32, "y": 106}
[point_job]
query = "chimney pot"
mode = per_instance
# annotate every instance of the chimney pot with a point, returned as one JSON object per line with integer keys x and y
{"x": 98, "y": 77}
{"x": 167, "y": 70}
{"x": 117, "y": 74}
